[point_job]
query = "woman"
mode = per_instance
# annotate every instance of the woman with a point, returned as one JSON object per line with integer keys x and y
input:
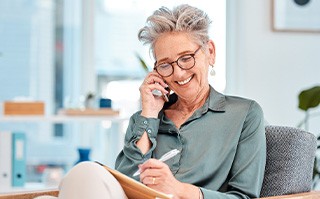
{"x": 220, "y": 138}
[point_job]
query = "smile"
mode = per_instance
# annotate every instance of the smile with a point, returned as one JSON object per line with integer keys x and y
{"x": 184, "y": 81}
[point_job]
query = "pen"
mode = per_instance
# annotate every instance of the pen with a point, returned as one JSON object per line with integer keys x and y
{"x": 163, "y": 158}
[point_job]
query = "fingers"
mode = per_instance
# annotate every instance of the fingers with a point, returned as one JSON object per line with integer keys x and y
{"x": 153, "y": 171}
{"x": 158, "y": 90}
{"x": 153, "y": 83}
{"x": 151, "y": 180}
{"x": 152, "y": 103}
{"x": 152, "y": 163}
{"x": 153, "y": 78}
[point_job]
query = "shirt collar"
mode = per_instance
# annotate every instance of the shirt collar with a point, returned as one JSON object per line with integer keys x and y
{"x": 216, "y": 101}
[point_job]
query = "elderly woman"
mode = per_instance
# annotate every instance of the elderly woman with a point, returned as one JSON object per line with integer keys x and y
{"x": 221, "y": 138}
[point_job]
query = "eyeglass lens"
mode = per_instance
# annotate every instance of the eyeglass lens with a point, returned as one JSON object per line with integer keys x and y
{"x": 185, "y": 62}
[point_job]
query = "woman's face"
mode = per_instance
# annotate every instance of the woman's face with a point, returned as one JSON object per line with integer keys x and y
{"x": 187, "y": 84}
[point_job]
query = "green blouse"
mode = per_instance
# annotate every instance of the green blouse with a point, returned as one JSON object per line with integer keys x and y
{"x": 223, "y": 147}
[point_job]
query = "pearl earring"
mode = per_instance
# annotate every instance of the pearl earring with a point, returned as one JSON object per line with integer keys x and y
{"x": 212, "y": 72}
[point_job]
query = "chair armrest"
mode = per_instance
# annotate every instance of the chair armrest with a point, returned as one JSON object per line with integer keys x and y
{"x": 306, "y": 195}
{"x": 29, "y": 195}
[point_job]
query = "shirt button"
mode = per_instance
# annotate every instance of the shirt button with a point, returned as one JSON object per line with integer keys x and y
{"x": 145, "y": 122}
{"x": 149, "y": 131}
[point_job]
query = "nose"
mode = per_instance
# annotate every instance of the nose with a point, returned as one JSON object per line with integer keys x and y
{"x": 177, "y": 71}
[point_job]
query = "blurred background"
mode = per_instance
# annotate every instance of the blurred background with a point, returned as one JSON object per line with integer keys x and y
{"x": 59, "y": 52}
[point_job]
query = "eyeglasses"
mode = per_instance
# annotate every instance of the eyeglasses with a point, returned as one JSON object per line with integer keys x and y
{"x": 185, "y": 62}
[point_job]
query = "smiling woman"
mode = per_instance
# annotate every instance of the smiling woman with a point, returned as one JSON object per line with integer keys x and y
{"x": 195, "y": 120}
{"x": 121, "y": 23}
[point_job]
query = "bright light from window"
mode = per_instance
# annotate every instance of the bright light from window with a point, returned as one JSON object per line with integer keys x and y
{"x": 124, "y": 94}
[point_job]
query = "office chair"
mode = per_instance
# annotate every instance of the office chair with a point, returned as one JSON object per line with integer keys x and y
{"x": 290, "y": 161}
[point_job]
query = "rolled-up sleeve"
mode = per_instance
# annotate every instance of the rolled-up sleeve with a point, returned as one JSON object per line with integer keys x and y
{"x": 130, "y": 157}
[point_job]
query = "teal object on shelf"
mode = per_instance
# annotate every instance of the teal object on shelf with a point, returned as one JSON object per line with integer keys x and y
{"x": 105, "y": 103}
{"x": 84, "y": 155}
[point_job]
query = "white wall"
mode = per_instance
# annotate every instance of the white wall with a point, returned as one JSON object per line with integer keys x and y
{"x": 269, "y": 67}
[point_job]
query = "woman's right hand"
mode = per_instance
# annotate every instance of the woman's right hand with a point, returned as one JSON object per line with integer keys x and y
{"x": 152, "y": 104}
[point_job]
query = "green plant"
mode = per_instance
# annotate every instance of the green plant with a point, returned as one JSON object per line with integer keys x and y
{"x": 142, "y": 63}
{"x": 89, "y": 100}
{"x": 310, "y": 99}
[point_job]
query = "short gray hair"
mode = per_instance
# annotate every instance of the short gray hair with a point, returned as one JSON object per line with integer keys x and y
{"x": 183, "y": 18}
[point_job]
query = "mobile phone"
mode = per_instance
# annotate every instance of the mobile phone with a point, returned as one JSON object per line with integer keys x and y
{"x": 156, "y": 92}
{"x": 166, "y": 96}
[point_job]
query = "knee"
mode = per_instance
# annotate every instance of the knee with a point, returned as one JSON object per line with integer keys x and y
{"x": 91, "y": 180}
{"x": 85, "y": 166}
{"x": 84, "y": 171}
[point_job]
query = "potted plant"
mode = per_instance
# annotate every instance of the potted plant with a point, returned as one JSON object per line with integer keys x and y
{"x": 142, "y": 63}
{"x": 310, "y": 99}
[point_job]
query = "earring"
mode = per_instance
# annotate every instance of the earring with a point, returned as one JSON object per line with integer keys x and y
{"x": 212, "y": 72}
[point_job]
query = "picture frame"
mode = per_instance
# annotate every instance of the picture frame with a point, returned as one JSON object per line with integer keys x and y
{"x": 296, "y": 15}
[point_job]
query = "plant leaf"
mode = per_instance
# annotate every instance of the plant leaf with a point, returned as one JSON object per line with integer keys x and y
{"x": 309, "y": 98}
{"x": 143, "y": 63}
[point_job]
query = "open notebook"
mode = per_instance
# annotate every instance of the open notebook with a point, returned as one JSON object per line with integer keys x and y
{"x": 135, "y": 189}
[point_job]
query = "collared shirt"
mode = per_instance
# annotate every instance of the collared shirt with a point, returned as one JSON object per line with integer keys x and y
{"x": 223, "y": 147}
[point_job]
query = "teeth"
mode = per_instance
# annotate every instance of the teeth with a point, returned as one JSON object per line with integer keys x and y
{"x": 184, "y": 81}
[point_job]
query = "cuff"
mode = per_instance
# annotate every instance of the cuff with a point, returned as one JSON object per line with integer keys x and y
{"x": 150, "y": 125}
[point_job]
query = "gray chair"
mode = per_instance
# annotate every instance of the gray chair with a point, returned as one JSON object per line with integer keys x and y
{"x": 290, "y": 161}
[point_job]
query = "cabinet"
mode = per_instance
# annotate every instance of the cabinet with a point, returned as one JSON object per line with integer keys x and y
{"x": 103, "y": 134}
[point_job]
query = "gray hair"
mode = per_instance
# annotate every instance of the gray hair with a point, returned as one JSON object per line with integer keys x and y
{"x": 183, "y": 18}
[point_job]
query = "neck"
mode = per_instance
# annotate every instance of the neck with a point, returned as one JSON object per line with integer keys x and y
{"x": 190, "y": 105}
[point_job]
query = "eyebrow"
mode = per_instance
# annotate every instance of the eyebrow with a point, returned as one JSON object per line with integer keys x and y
{"x": 179, "y": 54}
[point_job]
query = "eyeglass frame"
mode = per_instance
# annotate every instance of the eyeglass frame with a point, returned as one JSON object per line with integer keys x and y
{"x": 191, "y": 54}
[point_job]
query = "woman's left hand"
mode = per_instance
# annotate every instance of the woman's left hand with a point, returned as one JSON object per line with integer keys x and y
{"x": 157, "y": 175}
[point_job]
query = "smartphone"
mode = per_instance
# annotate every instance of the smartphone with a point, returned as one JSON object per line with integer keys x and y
{"x": 159, "y": 93}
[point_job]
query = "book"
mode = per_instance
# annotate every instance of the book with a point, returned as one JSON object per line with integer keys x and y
{"x": 135, "y": 189}
{"x": 5, "y": 159}
{"x": 23, "y": 108}
{"x": 18, "y": 159}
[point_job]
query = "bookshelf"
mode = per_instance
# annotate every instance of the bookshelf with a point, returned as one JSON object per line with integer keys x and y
{"x": 89, "y": 122}
{"x": 61, "y": 119}
{"x": 30, "y": 186}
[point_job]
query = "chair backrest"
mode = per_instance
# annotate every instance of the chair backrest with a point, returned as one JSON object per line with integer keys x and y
{"x": 290, "y": 161}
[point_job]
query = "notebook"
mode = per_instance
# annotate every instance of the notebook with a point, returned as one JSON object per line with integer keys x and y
{"x": 135, "y": 189}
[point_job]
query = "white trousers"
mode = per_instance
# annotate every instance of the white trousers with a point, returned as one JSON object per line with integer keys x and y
{"x": 88, "y": 180}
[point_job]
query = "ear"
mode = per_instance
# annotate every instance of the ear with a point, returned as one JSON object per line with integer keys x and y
{"x": 212, "y": 52}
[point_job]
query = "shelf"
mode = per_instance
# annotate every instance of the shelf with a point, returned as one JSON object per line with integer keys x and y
{"x": 31, "y": 186}
{"x": 62, "y": 118}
